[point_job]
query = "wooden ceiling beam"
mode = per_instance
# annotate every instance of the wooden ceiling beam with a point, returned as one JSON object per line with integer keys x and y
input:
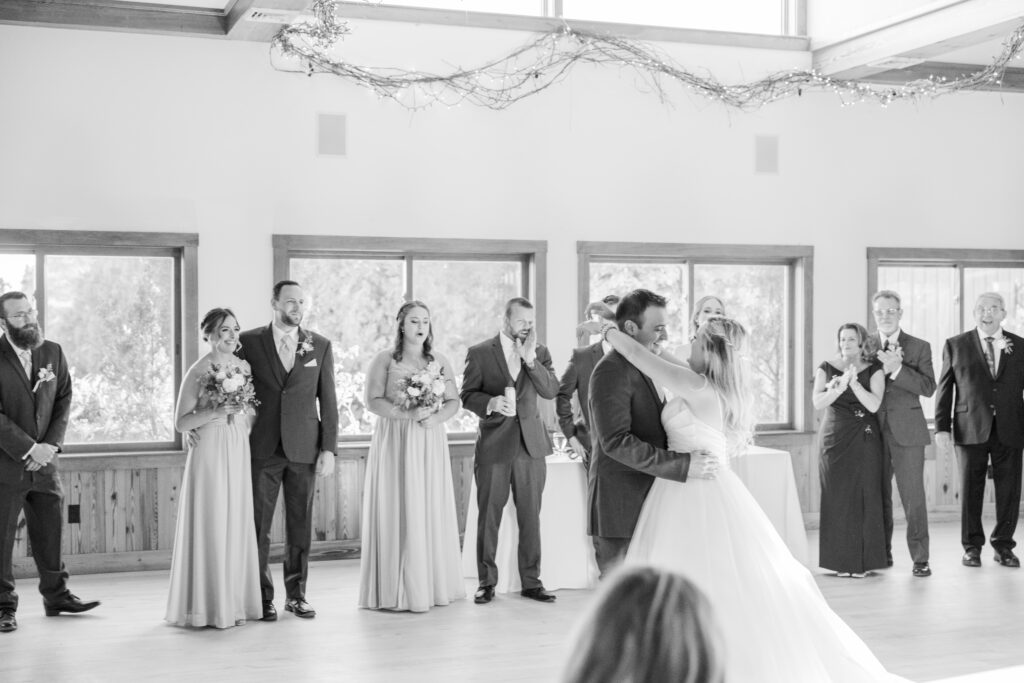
{"x": 114, "y": 16}
{"x": 1012, "y": 80}
{"x": 924, "y": 36}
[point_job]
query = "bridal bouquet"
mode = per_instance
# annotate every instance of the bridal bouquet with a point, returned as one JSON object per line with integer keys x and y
{"x": 424, "y": 389}
{"x": 225, "y": 384}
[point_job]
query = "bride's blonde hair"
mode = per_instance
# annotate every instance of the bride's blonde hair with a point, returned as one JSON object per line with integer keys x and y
{"x": 728, "y": 370}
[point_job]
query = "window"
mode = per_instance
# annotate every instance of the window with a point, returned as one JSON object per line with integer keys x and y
{"x": 115, "y": 303}
{"x": 760, "y": 287}
{"x": 939, "y": 288}
{"x": 354, "y": 287}
{"x": 743, "y": 16}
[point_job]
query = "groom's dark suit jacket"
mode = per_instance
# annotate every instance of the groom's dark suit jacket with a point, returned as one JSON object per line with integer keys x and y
{"x": 287, "y": 413}
{"x": 28, "y": 418}
{"x": 968, "y": 392}
{"x": 630, "y": 447}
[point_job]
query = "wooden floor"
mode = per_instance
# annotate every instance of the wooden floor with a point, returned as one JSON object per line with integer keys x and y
{"x": 960, "y": 621}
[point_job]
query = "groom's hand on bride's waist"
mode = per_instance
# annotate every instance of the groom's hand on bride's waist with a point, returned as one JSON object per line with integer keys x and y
{"x": 703, "y": 464}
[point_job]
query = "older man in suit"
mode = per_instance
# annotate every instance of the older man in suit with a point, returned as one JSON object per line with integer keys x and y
{"x": 293, "y": 438}
{"x": 907, "y": 364}
{"x": 512, "y": 442}
{"x": 35, "y": 404}
{"x": 981, "y": 398}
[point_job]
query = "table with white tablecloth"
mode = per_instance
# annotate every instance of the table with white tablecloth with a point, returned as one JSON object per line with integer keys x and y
{"x": 567, "y": 554}
{"x": 768, "y": 475}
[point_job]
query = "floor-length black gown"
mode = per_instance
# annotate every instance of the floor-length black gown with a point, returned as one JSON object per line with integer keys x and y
{"x": 852, "y": 537}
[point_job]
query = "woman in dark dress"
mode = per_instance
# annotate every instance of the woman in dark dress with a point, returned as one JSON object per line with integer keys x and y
{"x": 850, "y": 389}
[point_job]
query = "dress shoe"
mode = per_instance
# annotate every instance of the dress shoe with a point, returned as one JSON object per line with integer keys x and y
{"x": 70, "y": 604}
{"x": 922, "y": 569}
{"x": 300, "y": 608}
{"x": 538, "y": 594}
{"x": 7, "y": 621}
{"x": 888, "y": 561}
{"x": 269, "y": 611}
{"x": 484, "y": 595}
{"x": 1005, "y": 557}
{"x": 972, "y": 557}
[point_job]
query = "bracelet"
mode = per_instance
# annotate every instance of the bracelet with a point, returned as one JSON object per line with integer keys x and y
{"x": 605, "y": 329}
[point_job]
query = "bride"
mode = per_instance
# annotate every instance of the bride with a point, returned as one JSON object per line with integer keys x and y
{"x": 773, "y": 617}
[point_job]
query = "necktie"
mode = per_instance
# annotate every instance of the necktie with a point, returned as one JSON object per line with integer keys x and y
{"x": 990, "y": 355}
{"x": 514, "y": 364}
{"x": 885, "y": 346}
{"x": 286, "y": 353}
{"x": 26, "y": 361}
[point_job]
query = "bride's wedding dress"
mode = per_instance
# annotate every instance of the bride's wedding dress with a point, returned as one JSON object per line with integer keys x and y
{"x": 774, "y": 620}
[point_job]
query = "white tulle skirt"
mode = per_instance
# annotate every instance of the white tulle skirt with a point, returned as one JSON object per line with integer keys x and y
{"x": 775, "y": 622}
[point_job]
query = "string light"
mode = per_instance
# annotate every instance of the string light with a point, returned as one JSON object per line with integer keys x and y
{"x": 548, "y": 59}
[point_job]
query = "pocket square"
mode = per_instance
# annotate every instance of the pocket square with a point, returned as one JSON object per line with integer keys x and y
{"x": 310, "y": 364}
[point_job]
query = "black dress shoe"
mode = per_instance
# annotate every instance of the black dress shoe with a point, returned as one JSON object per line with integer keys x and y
{"x": 888, "y": 561}
{"x": 538, "y": 594}
{"x": 299, "y": 608}
{"x": 1005, "y": 557}
{"x": 269, "y": 611}
{"x": 7, "y": 621}
{"x": 484, "y": 595}
{"x": 922, "y": 569}
{"x": 972, "y": 557}
{"x": 70, "y": 604}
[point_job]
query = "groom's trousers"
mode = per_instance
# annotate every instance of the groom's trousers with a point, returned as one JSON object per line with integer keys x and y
{"x": 298, "y": 480}
{"x": 39, "y": 494}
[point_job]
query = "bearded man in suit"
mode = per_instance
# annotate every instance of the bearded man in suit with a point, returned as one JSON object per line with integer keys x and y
{"x": 35, "y": 404}
{"x": 512, "y": 442}
{"x": 293, "y": 437}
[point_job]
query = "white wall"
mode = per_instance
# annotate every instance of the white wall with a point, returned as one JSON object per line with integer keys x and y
{"x": 128, "y": 132}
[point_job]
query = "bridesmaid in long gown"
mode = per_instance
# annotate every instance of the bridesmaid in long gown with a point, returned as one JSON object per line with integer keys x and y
{"x": 215, "y": 568}
{"x": 852, "y": 537}
{"x": 410, "y": 536}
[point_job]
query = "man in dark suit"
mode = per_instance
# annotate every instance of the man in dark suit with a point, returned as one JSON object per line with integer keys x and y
{"x": 630, "y": 448}
{"x": 293, "y": 438}
{"x": 576, "y": 380}
{"x": 907, "y": 364}
{"x": 35, "y": 404}
{"x": 981, "y": 396}
{"x": 512, "y": 442}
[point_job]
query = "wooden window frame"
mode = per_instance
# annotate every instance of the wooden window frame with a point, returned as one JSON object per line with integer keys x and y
{"x": 800, "y": 263}
{"x": 182, "y": 247}
{"x": 531, "y": 253}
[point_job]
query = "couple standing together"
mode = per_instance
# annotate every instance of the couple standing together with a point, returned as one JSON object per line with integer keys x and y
{"x": 220, "y": 571}
{"x": 662, "y": 493}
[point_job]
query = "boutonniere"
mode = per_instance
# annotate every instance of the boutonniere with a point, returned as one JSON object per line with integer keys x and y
{"x": 45, "y": 375}
{"x": 305, "y": 345}
{"x": 1005, "y": 345}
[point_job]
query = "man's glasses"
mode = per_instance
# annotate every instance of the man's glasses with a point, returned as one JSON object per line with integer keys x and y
{"x": 24, "y": 315}
{"x": 882, "y": 312}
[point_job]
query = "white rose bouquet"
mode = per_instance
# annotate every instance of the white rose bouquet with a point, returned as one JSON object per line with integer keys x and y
{"x": 228, "y": 385}
{"x": 423, "y": 389}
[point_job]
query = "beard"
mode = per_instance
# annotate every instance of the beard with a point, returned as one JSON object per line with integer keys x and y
{"x": 28, "y": 336}
{"x": 293, "y": 319}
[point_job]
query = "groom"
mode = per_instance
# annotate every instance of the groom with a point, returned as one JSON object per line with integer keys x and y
{"x": 630, "y": 445}
{"x": 292, "y": 439}
{"x": 35, "y": 404}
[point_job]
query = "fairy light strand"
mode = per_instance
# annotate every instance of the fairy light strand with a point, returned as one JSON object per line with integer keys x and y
{"x": 548, "y": 59}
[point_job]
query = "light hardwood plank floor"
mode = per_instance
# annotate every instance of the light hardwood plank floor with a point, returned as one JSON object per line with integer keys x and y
{"x": 959, "y": 621}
